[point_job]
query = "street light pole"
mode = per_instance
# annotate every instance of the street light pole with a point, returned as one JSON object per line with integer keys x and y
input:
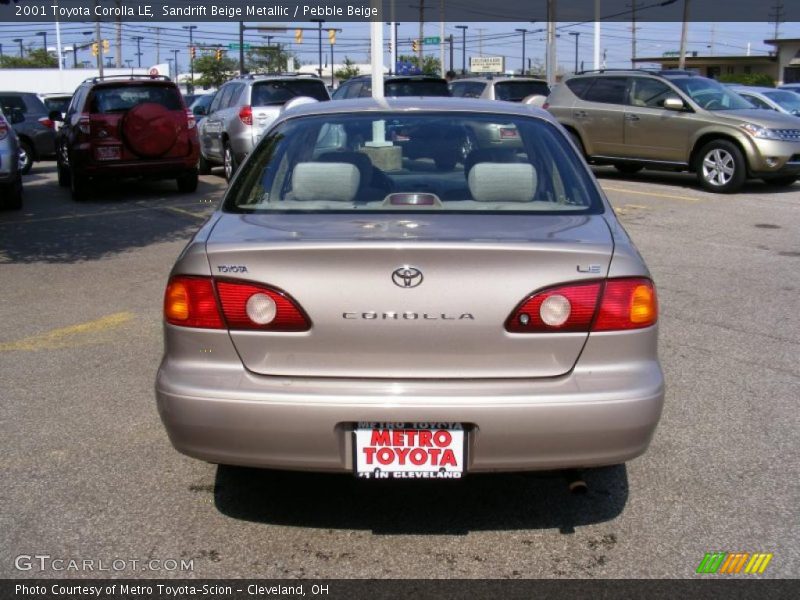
{"x": 577, "y": 35}
{"x": 463, "y": 29}
{"x": 44, "y": 39}
{"x": 177, "y": 71}
{"x": 190, "y": 87}
{"x": 138, "y": 39}
{"x": 20, "y": 45}
{"x": 319, "y": 22}
{"x": 523, "y": 32}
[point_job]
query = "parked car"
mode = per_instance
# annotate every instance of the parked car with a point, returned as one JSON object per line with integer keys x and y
{"x": 394, "y": 86}
{"x": 242, "y": 110}
{"x": 793, "y": 87}
{"x": 127, "y": 126}
{"x": 200, "y": 106}
{"x": 677, "y": 120}
{"x": 10, "y": 174}
{"x": 35, "y": 129}
{"x": 784, "y": 101}
{"x": 359, "y": 312}
{"x": 511, "y": 89}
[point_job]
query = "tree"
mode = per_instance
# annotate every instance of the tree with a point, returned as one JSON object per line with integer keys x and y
{"x": 430, "y": 64}
{"x": 760, "y": 79}
{"x": 268, "y": 59}
{"x": 212, "y": 73}
{"x": 347, "y": 71}
{"x": 34, "y": 59}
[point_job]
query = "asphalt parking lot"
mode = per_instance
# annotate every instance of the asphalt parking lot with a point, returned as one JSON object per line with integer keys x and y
{"x": 88, "y": 472}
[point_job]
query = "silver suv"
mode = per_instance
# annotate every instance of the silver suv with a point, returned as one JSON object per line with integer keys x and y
{"x": 677, "y": 120}
{"x": 511, "y": 89}
{"x": 242, "y": 110}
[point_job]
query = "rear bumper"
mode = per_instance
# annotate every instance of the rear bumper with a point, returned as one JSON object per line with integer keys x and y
{"x": 592, "y": 416}
{"x": 161, "y": 169}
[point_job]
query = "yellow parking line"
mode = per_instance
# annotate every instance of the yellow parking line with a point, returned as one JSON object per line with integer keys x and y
{"x": 65, "y": 336}
{"x": 654, "y": 194}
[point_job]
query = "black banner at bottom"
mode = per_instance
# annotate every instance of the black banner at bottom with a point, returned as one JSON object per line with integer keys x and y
{"x": 394, "y": 589}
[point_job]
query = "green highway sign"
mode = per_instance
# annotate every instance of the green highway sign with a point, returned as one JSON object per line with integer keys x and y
{"x": 431, "y": 41}
{"x": 236, "y": 46}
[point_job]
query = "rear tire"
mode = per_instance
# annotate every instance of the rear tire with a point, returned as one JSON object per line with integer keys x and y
{"x": 785, "y": 181}
{"x": 628, "y": 169}
{"x": 187, "y": 183}
{"x": 25, "y": 157}
{"x": 721, "y": 167}
{"x": 12, "y": 195}
{"x": 63, "y": 170}
{"x": 229, "y": 162}
{"x": 576, "y": 139}
{"x": 203, "y": 166}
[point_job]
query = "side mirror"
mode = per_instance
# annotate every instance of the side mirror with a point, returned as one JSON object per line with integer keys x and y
{"x": 200, "y": 111}
{"x": 55, "y": 115}
{"x": 673, "y": 103}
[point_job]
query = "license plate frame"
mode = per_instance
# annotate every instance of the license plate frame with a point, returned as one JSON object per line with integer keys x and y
{"x": 108, "y": 153}
{"x": 369, "y": 456}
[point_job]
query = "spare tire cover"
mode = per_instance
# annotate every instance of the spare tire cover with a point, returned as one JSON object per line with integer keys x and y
{"x": 150, "y": 129}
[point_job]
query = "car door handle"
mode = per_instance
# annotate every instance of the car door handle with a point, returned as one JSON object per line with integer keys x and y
{"x": 580, "y": 114}
{"x": 631, "y": 117}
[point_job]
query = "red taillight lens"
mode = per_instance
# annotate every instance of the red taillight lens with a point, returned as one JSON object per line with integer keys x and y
{"x": 564, "y": 308}
{"x": 190, "y": 120}
{"x": 627, "y": 304}
{"x": 546, "y": 105}
{"x": 46, "y": 122}
{"x": 613, "y": 305}
{"x": 3, "y": 129}
{"x": 190, "y": 302}
{"x": 246, "y": 115}
{"x": 249, "y": 306}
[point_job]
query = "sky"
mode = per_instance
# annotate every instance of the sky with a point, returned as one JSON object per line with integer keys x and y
{"x": 493, "y": 38}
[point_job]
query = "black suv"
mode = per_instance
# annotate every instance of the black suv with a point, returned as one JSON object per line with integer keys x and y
{"x": 393, "y": 86}
{"x": 127, "y": 126}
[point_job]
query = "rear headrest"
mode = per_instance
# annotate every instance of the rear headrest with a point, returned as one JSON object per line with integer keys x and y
{"x": 334, "y": 182}
{"x": 502, "y": 182}
{"x": 359, "y": 159}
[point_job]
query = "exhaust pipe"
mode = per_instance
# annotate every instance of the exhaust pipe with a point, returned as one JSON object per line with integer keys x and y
{"x": 575, "y": 483}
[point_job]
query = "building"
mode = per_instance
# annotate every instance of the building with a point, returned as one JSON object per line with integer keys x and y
{"x": 782, "y": 64}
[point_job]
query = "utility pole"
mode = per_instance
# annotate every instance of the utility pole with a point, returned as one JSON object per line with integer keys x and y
{"x": 99, "y": 41}
{"x": 177, "y": 70}
{"x": 480, "y": 31}
{"x": 684, "y": 33}
{"x": 191, "y": 28}
{"x": 577, "y": 35}
{"x": 777, "y": 14}
{"x": 551, "y": 42}
{"x": 242, "y": 70}
{"x": 523, "y": 32}
{"x": 20, "y": 45}
{"x": 634, "y": 5}
{"x": 463, "y": 29}
{"x": 118, "y": 44}
{"x": 449, "y": 39}
{"x": 158, "y": 45}
{"x": 420, "y": 52}
{"x": 138, "y": 39}
{"x": 319, "y": 22}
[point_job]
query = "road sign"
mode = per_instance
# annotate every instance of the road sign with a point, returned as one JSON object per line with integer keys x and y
{"x": 431, "y": 41}
{"x": 236, "y": 46}
{"x": 487, "y": 64}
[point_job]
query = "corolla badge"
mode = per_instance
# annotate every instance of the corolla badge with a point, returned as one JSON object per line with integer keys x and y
{"x": 407, "y": 277}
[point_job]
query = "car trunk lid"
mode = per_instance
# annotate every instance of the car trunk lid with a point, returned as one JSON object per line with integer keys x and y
{"x": 367, "y": 323}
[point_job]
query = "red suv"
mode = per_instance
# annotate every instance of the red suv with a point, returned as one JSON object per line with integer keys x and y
{"x": 126, "y": 126}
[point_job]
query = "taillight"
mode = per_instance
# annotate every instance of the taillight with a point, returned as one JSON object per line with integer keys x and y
{"x": 190, "y": 302}
{"x": 613, "y": 305}
{"x": 627, "y": 304}
{"x": 246, "y": 115}
{"x": 46, "y": 122}
{"x": 546, "y": 105}
{"x": 84, "y": 124}
{"x": 250, "y": 306}
{"x": 508, "y": 132}
{"x": 3, "y": 129}
{"x": 190, "y": 121}
{"x": 564, "y": 308}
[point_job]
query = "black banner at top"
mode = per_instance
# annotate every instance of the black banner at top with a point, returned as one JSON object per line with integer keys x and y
{"x": 293, "y": 11}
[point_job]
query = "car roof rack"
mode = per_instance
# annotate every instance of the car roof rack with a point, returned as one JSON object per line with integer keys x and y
{"x": 279, "y": 74}
{"x": 130, "y": 77}
{"x": 662, "y": 72}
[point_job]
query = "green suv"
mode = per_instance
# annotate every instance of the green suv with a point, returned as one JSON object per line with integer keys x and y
{"x": 680, "y": 121}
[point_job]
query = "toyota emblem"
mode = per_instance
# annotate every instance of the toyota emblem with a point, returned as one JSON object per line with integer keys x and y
{"x": 407, "y": 277}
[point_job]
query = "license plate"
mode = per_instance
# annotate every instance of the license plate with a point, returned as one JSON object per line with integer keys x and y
{"x": 409, "y": 450}
{"x": 107, "y": 152}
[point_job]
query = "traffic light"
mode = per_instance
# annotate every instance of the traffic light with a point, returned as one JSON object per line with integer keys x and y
{"x": 106, "y": 46}
{"x": 95, "y": 49}
{"x": 192, "y": 51}
{"x": 415, "y": 45}
{"x": 332, "y": 36}
{"x": 298, "y": 36}
{"x": 219, "y": 54}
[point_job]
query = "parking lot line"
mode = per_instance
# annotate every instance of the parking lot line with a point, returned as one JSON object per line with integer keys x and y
{"x": 103, "y": 213}
{"x": 653, "y": 194}
{"x": 186, "y": 212}
{"x": 65, "y": 336}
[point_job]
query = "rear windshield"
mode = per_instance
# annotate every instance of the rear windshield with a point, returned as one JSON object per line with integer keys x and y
{"x": 517, "y": 91}
{"x": 59, "y": 104}
{"x": 268, "y": 93}
{"x": 416, "y": 87}
{"x": 111, "y": 99}
{"x": 446, "y": 162}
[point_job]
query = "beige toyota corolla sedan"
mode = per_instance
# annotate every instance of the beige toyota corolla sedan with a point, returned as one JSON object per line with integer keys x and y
{"x": 352, "y": 309}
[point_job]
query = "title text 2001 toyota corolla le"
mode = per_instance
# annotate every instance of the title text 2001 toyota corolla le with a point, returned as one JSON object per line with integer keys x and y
{"x": 351, "y": 309}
